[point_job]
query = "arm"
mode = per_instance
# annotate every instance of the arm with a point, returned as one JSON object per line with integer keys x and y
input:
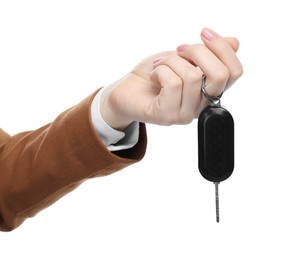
{"x": 165, "y": 88}
{"x": 39, "y": 167}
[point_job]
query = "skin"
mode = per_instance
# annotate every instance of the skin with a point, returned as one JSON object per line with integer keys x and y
{"x": 165, "y": 88}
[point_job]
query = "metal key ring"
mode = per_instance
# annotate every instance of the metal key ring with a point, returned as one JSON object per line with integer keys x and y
{"x": 212, "y": 99}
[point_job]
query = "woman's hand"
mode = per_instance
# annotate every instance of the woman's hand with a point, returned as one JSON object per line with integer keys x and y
{"x": 165, "y": 88}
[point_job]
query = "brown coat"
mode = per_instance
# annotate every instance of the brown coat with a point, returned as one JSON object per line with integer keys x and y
{"x": 39, "y": 167}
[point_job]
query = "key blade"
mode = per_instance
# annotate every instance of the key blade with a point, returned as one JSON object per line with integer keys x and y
{"x": 217, "y": 201}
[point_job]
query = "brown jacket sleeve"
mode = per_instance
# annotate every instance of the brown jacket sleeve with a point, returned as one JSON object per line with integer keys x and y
{"x": 39, "y": 167}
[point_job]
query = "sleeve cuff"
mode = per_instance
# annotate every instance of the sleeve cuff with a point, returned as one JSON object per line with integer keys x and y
{"x": 114, "y": 140}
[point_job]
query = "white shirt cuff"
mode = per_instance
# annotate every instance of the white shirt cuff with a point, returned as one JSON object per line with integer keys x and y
{"x": 114, "y": 140}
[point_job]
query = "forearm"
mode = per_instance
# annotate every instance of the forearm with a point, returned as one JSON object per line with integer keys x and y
{"x": 40, "y": 166}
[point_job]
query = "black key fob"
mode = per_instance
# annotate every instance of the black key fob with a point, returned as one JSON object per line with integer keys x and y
{"x": 215, "y": 143}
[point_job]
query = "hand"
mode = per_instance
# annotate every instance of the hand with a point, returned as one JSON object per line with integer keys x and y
{"x": 165, "y": 88}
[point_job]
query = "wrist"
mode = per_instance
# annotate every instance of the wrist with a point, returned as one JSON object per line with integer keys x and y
{"x": 111, "y": 109}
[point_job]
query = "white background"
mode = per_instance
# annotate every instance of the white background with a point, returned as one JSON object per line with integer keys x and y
{"x": 55, "y": 53}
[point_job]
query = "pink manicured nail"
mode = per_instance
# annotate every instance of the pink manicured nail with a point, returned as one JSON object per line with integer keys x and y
{"x": 156, "y": 60}
{"x": 208, "y": 34}
{"x": 182, "y": 47}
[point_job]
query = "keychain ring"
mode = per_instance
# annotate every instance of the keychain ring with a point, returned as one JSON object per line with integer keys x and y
{"x": 210, "y": 98}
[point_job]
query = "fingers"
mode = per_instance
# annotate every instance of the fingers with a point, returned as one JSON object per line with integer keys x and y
{"x": 190, "y": 77}
{"x": 217, "y": 74}
{"x": 176, "y": 79}
{"x": 216, "y": 58}
{"x": 225, "y": 51}
{"x": 164, "y": 108}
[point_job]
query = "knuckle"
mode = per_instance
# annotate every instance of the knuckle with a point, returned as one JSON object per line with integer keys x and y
{"x": 167, "y": 60}
{"x": 222, "y": 76}
{"x": 168, "y": 119}
{"x": 186, "y": 119}
{"x": 237, "y": 73}
{"x": 187, "y": 115}
{"x": 179, "y": 118}
{"x": 173, "y": 82}
{"x": 170, "y": 58}
{"x": 192, "y": 77}
{"x": 175, "y": 118}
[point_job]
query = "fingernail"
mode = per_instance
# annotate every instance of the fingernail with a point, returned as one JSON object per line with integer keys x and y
{"x": 156, "y": 60}
{"x": 182, "y": 47}
{"x": 208, "y": 34}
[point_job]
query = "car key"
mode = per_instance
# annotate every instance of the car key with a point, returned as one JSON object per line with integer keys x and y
{"x": 215, "y": 144}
